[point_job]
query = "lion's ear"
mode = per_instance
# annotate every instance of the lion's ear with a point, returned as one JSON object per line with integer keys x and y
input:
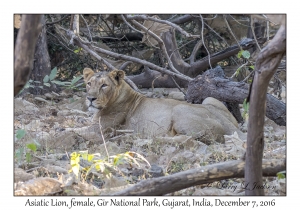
{"x": 87, "y": 74}
{"x": 118, "y": 75}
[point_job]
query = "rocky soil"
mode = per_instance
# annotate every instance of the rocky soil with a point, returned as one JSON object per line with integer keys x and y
{"x": 58, "y": 125}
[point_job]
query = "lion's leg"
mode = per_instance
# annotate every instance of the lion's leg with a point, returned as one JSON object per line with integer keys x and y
{"x": 198, "y": 123}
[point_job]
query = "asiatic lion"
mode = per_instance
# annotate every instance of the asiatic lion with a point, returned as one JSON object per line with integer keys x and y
{"x": 119, "y": 106}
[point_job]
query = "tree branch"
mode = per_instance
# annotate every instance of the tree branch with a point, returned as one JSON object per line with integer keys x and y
{"x": 203, "y": 175}
{"x": 145, "y": 17}
{"x": 160, "y": 43}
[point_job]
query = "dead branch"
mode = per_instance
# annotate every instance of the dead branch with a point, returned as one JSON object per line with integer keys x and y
{"x": 160, "y": 43}
{"x": 201, "y": 65}
{"x": 182, "y": 19}
{"x": 203, "y": 175}
{"x": 146, "y": 80}
{"x": 124, "y": 65}
{"x": 196, "y": 48}
{"x": 57, "y": 21}
{"x": 214, "y": 84}
{"x": 24, "y": 50}
{"x": 86, "y": 45}
{"x": 145, "y": 17}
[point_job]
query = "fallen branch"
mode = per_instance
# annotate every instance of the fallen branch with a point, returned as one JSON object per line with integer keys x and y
{"x": 213, "y": 84}
{"x": 203, "y": 175}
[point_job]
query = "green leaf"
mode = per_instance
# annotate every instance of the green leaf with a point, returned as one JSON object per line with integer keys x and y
{"x": 53, "y": 73}
{"x": 19, "y": 154}
{"x": 78, "y": 85}
{"x": 237, "y": 72}
{"x": 90, "y": 157}
{"x": 75, "y": 80}
{"x": 20, "y": 133}
{"x": 31, "y": 146}
{"x": 246, "y": 54}
{"x": 27, "y": 85}
{"x": 71, "y": 100}
{"x": 240, "y": 53}
{"x": 281, "y": 175}
{"x": 46, "y": 84}
{"x": 251, "y": 67}
{"x": 28, "y": 157}
{"x": 246, "y": 105}
{"x": 46, "y": 79}
{"x": 75, "y": 158}
{"x": 58, "y": 82}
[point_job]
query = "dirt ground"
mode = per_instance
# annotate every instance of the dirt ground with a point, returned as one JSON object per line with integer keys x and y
{"x": 50, "y": 128}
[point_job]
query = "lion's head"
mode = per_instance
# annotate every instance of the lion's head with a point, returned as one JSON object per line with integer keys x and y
{"x": 102, "y": 88}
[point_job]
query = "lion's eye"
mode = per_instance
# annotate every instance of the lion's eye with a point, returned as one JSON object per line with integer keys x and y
{"x": 89, "y": 84}
{"x": 104, "y": 85}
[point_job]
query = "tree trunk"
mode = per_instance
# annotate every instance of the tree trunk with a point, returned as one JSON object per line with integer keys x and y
{"x": 42, "y": 66}
{"x": 266, "y": 65}
{"x": 214, "y": 84}
{"x": 24, "y": 50}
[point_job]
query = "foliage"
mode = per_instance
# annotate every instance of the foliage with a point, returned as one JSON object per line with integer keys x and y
{"x": 48, "y": 79}
{"x": 246, "y": 55}
{"x": 104, "y": 166}
{"x": 281, "y": 175}
{"x": 29, "y": 149}
{"x": 245, "y": 114}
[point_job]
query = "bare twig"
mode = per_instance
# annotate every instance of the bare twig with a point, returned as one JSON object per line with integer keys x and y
{"x": 239, "y": 68}
{"x": 203, "y": 41}
{"x": 100, "y": 126}
{"x": 238, "y": 21}
{"x": 130, "y": 26}
{"x": 196, "y": 48}
{"x": 253, "y": 32}
{"x": 160, "y": 42}
{"x": 217, "y": 34}
{"x": 145, "y": 17}
{"x": 227, "y": 24}
{"x": 83, "y": 44}
{"x": 244, "y": 80}
{"x": 87, "y": 28}
{"x": 60, "y": 42}
{"x": 268, "y": 31}
{"x": 54, "y": 22}
{"x": 179, "y": 88}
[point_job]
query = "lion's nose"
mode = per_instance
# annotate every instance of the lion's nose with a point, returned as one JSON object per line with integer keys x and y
{"x": 91, "y": 99}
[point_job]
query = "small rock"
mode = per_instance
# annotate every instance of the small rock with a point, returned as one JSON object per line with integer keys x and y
{"x": 156, "y": 171}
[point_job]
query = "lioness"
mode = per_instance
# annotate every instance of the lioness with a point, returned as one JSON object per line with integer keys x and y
{"x": 119, "y": 106}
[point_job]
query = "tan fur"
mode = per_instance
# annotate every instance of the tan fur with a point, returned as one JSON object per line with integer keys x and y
{"x": 121, "y": 107}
